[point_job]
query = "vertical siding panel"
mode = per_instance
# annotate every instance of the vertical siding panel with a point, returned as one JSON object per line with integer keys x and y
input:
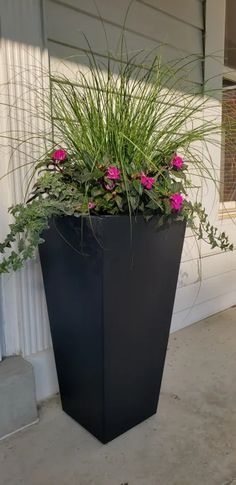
{"x": 24, "y": 56}
{"x": 146, "y": 28}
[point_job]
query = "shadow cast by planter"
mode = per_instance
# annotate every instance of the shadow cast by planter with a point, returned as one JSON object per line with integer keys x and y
{"x": 110, "y": 296}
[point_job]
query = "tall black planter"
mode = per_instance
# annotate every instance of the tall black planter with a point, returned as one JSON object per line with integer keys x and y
{"x": 110, "y": 305}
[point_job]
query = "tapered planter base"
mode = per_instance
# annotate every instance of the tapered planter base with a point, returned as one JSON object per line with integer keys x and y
{"x": 110, "y": 293}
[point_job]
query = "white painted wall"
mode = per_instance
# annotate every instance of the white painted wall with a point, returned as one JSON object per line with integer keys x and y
{"x": 216, "y": 288}
{"x": 23, "y": 56}
{"x": 207, "y": 282}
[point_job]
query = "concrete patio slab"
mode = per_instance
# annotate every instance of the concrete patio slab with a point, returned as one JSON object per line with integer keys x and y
{"x": 17, "y": 395}
{"x": 190, "y": 441}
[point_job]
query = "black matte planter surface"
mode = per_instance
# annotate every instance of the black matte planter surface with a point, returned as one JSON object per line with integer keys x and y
{"x": 110, "y": 300}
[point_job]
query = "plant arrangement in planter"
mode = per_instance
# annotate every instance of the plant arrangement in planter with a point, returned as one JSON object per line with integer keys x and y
{"x": 110, "y": 202}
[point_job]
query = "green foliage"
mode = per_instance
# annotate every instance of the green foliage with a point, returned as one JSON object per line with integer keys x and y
{"x": 131, "y": 117}
{"x": 204, "y": 230}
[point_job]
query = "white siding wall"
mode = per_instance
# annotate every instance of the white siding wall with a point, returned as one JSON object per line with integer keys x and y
{"x": 69, "y": 23}
{"x": 216, "y": 288}
{"x": 207, "y": 280}
{"x": 22, "y": 57}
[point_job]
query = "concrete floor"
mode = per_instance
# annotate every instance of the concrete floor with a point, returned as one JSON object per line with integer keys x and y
{"x": 190, "y": 441}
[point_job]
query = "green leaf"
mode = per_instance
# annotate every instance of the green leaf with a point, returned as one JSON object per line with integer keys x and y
{"x": 138, "y": 187}
{"x": 134, "y": 202}
{"x": 95, "y": 191}
{"x": 153, "y": 205}
{"x": 119, "y": 202}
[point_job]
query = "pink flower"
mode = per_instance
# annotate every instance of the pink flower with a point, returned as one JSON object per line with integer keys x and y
{"x": 176, "y": 201}
{"x": 59, "y": 156}
{"x": 113, "y": 173}
{"x": 91, "y": 205}
{"x": 147, "y": 182}
{"x": 177, "y": 162}
{"x": 110, "y": 186}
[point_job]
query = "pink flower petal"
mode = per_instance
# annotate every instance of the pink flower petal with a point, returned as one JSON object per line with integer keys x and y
{"x": 177, "y": 162}
{"x": 176, "y": 201}
{"x": 91, "y": 205}
{"x": 59, "y": 155}
{"x": 147, "y": 182}
{"x": 113, "y": 173}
